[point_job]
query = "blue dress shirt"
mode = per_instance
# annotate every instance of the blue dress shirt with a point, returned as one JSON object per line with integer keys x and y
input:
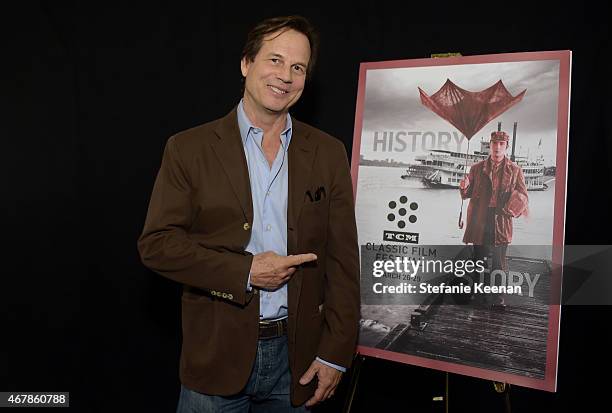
{"x": 269, "y": 191}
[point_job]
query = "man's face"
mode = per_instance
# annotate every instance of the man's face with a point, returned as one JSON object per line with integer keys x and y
{"x": 497, "y": 149}
{"x": 275, "y": 78}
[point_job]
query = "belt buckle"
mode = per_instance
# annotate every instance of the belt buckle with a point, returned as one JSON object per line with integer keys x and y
{"x": 278, "y": 324}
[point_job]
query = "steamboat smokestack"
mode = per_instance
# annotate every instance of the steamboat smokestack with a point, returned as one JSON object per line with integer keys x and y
{"x": 513, "y": 141}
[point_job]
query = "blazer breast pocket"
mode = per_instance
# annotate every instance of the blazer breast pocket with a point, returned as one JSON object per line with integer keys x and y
{"x": 313, "y": 222}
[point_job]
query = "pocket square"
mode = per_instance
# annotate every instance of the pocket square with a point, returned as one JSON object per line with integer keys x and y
{"x": 319, "y": 194}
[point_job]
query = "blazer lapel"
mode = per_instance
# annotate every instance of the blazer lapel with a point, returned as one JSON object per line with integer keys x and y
{"x": 230, "y": 151}
{"x": 301, "y": 157}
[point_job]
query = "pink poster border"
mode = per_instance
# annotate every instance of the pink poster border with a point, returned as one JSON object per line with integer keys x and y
{"x": 549, "y": 382}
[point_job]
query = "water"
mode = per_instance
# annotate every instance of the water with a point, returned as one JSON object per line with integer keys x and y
{"x": 437, "y": 211}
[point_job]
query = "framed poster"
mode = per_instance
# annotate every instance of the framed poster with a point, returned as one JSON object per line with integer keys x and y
{"x": 459, "y": 174}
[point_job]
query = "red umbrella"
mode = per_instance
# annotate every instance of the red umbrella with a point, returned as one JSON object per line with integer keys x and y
{"x": 469, "y": 111}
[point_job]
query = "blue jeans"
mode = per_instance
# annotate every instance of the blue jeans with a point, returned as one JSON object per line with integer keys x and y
{"x": 266, "y": 391}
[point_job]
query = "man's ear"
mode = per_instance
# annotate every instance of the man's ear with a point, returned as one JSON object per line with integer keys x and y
{"x": 244, "y": 66}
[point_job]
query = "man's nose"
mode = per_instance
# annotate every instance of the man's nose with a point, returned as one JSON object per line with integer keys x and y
{"x": 286, "y": 75}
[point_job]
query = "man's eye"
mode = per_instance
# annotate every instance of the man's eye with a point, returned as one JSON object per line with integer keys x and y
{"x": 274, "y": 60}
{"x": 298, "y": 68}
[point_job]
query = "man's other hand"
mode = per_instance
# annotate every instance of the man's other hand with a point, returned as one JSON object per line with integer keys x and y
{"x": 328, "y": 379}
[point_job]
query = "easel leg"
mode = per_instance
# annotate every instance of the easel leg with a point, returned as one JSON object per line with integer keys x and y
{"x": 355, "y": 370}
{"x": 446, "y": 394}
{"x": 505, "y": 389}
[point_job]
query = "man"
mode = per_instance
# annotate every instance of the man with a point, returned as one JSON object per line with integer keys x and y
{"x": 253, "y": 213}
{"x": 498, "y": 194}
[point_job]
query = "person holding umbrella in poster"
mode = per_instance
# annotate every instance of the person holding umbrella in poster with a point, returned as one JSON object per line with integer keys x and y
{"x": 497, "y": 192}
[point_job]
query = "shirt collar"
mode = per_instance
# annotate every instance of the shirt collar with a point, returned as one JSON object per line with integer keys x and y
{"x": 246, "y": 126}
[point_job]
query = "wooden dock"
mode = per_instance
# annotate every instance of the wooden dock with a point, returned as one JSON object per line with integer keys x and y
{"x": 512, "y": 340}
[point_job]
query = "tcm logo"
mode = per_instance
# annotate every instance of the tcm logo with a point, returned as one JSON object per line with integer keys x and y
{"x": 398, "y": 213}
{"x": 407, "y": 237}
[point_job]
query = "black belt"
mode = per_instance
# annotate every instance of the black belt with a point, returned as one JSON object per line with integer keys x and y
{"x": 272, "y": 329}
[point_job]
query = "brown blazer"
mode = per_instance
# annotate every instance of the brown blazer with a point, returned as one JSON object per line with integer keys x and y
{"x": 198, "y": 225}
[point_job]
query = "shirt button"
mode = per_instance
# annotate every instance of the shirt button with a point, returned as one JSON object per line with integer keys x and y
{"x": 246, "y": 226}
{"x": 268, "y": 227}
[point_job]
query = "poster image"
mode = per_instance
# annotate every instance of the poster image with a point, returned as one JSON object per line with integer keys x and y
{"x": 459, "y": 173}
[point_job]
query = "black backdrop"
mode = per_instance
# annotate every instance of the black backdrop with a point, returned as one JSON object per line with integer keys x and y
{"x": 91, "y": 93}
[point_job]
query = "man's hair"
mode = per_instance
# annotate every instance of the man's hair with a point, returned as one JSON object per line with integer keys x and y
{"x": 298, "y": 23}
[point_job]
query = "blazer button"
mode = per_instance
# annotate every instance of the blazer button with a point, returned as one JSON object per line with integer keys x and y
{"x": 224, "y": 295}
{"x": 246, "y": 226}
{"x": 230, "y": 297}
